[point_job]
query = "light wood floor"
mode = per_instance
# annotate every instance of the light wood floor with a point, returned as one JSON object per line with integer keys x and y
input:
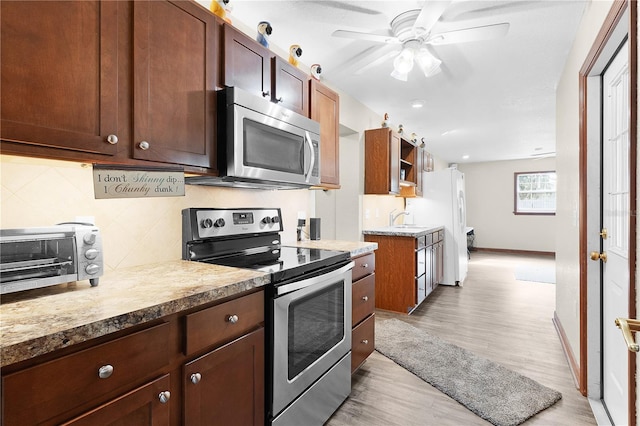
{"x": 494, "y": 316}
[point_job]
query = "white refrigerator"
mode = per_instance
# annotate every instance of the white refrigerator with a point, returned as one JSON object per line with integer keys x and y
{"x": 443, "y": 204}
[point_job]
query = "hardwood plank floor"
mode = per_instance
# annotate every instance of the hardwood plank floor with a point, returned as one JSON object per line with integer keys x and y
{"x": 493, "y": 315}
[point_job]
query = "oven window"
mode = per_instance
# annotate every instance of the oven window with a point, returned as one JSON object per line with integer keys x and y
{"x": 32, "y": 259}
{"x": 268, "y": 147}
{"x": 316, "y": 324}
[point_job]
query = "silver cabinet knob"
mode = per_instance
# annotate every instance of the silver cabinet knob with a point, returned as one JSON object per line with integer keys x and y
{"x": 365, "y": 265}
{"x": 144, "y": 145}
{"x": 105, "y": 371}
{"x": 195, "y": 378}
{"x": 365, "y": 298}
{"x": 232, "y": 319}
{"x": 164, "y": 396}
{"x": 266, "y": 94}
{"x": 365, "y": 341}
{"x": 112, "y": 139}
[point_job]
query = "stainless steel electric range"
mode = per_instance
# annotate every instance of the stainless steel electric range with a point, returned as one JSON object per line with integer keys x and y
{"x": 308, "y": 307}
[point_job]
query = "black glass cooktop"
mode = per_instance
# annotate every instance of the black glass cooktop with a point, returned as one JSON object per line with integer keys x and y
{"x": 285, "y": 263}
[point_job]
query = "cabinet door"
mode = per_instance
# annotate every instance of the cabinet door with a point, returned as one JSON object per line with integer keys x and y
{"x": 174, "y": 57}
{"x": 289, "y": 86}
{"x": 59, "y": 74}
{"x": 382, "y": 162}
{"x": 394, "y": 164}
{"x": 226, "y": 386}
{"x": 325, "y": 109}
{"x": 146, "y": 405}
{"x": 246, "y": 63}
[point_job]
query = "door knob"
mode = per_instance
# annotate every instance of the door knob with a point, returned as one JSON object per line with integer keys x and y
{"x": 603, "y": 233}
{"x": 598, "y": 256}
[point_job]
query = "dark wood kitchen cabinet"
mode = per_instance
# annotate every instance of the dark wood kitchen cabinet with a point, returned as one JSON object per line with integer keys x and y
{"x": 362, "y": 312}
{"x": 252, "y": 67}
{"x": 107, "y": 81}
{"x": 325, "y": 109}
{"x": 59, "y": 67}
{"x": 144, "y": 376}
{"x": 174, "y": 73}
{"x": 381, "y": 161}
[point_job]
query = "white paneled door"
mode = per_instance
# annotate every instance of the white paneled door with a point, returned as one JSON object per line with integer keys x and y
{"x": 615, "y": 242}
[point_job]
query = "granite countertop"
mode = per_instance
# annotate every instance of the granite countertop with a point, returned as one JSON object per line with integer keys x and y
{"x": 403, "y": 230}
{"x": 39, "y": 321}
{"x": 355, "y": 248}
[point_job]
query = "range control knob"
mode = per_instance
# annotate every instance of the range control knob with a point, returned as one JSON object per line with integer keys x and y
{"x": 219, "y": 223}
{"x": 266, "y": 220}
{"x": 275, "y": 219}
{"x": 207, "y": 223}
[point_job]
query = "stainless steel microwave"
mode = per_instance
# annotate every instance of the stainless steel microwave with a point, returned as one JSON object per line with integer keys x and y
{"x": 261, "y": 144}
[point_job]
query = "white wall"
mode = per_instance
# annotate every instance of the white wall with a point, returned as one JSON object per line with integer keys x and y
{"x": 567, "y": 167}
{"x": 490, "y": 192}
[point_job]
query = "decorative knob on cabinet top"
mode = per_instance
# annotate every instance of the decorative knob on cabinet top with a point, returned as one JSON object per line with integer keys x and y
{"x": 232, "y": 319}
{"x": 164, "y": 396}
{"x": 144, "y": 145}
{"x": 112, "y": 139}
{"x": 195, "y": 378}
{"x": 105, "y": 371}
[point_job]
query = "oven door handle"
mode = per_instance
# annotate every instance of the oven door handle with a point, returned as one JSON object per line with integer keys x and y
{"x": 297, "y": 285}
{"x": 312, "y": 162}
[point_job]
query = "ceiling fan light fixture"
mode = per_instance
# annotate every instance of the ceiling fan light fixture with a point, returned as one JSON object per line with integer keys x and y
{"x": 403, "y": 63}
{"x": 429, "y": 64}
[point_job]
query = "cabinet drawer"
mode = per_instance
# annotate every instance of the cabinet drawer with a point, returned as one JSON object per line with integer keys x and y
{"x": 362, "y": 342}
{"x": 364, "y": 265}
{"x": 215, "y": 325}
{"x": 41, "y": 392}
{"x": 364, "y": 299}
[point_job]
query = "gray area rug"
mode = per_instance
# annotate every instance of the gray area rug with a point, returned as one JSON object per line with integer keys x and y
{"x": 493, "y": 392}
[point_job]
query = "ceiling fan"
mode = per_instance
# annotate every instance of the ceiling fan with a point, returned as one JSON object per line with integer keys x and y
{"x": 413, "y": 32}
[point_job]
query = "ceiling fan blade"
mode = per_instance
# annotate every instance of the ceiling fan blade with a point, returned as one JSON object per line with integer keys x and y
{"x": 356, "y": 35}
{"x": 486, "y": 32}
{"x": 379, "y": 60}
{"x": 430, "y": 13}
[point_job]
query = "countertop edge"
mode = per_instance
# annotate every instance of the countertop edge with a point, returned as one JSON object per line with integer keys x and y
{"x": 400, "y": 232}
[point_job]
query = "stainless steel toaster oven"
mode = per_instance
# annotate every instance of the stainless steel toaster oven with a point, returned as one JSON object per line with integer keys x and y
{"x": 40, "y": 257}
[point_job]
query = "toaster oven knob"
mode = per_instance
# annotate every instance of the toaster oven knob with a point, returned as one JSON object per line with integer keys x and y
{"x": 207, "y": 223}
{"x": 219, "y": 223}
{"x": 91, "y": 254}
{"x": 92, "y": 269}
{"x": 89, "y": 238}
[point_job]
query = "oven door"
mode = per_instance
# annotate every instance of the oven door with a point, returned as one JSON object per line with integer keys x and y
{"x": 265, "y": 148}
{"x": 311, "y": 332}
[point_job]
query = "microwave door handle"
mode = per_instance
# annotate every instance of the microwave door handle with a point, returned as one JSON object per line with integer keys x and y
{"x": 307, "y": 138}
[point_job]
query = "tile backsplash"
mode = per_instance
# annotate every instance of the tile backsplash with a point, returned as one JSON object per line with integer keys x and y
{"x": 136, "y": 231}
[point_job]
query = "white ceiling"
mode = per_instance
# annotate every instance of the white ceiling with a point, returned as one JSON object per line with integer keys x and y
{"x": 493, "y": 100}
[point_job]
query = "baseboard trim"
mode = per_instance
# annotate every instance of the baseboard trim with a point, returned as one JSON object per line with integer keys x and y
{"x": 513, "y": 251}
{"x": 566, "y": 348}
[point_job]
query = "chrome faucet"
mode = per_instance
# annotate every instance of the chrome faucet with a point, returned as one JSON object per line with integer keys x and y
{"x": 392, "y": 217}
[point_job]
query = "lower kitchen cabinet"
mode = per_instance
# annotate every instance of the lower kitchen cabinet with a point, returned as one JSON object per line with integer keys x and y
{"x": 134, "y": 378}
{"x": 146, "y": 405}
{"x": 226, "y": 385}
{"x": 407, "y": 270}
{"x": 363, "y": 306}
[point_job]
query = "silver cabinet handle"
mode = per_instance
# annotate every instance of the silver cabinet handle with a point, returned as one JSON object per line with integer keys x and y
{"x": 365, "y": 341}
{"x": 112, "y": 139}
{"x": 164, "y": 396}
{"x": 144, "y": 145}
{"x": 232, "y": 319}
{"x": 266, "y": 94}
{"x": 105, "y": 371}
{"x": 365, "y": 265}
{"x": 195, "y": 378}
{"x": 365, "y": 298}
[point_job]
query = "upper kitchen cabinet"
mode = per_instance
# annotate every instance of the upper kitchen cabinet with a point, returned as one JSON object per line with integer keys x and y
{"x": 174, "y": 70}
{"x": 252, "y": 67}
{"x": 381, "y": 161}
{"x": 289, "y": 86}
{"x": 59, "y": 70}
{"x": 325, "y": 109}
{"x": 246, "y": 63}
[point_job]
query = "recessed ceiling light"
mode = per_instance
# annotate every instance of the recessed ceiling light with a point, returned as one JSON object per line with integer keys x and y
{"x": 417, "y": 103}
{"x": 465, "y": 157}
